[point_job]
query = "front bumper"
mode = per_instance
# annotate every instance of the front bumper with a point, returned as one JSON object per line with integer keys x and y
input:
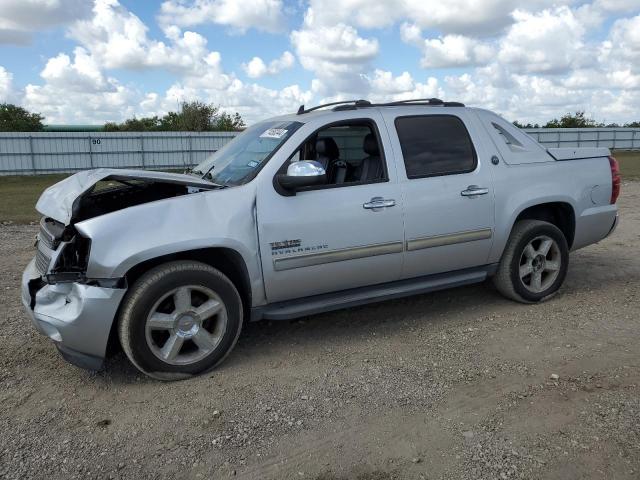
{"x": 77, "y": 317}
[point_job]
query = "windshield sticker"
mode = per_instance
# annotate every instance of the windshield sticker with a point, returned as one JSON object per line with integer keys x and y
{"x": 253, "y": 163}
{"x": 274, "y": 133}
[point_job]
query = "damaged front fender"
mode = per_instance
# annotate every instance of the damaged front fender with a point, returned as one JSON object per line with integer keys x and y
{"x": 222, "y": 218}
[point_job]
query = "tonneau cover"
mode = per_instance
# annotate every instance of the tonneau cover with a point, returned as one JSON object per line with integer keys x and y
{"x": 574, "y": 153}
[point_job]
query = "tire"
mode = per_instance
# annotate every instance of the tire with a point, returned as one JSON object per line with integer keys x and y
{"x": 534, "y": 263}
{"x": 180, "y": 319}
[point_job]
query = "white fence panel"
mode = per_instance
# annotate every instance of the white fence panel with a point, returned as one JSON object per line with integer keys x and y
{"x": 613, "y": 138}
{"x": 52, "y": 152}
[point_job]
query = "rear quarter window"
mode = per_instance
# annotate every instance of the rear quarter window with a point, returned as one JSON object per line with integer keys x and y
{"x": 435, "y": 145}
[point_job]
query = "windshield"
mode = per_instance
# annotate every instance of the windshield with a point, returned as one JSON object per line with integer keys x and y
{"x": 242, "y": 158}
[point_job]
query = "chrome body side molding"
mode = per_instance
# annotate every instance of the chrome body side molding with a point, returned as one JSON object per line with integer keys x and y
{"x": 319, "y": 258}
{"x": 448, "y": 239}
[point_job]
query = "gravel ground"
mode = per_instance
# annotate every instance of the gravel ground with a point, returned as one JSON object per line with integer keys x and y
{"x": 457, "y": 384}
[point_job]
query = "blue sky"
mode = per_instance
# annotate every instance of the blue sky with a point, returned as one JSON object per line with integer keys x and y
{"x": 80, "y": 61}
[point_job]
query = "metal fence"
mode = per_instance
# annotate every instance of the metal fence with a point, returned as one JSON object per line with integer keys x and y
{"x": 54, "y": 152}
{"x": 613, "y": 138}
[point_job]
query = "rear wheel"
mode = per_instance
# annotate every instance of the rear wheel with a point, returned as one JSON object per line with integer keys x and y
{"x": 180, "y": 319}
{"x": 534, "y": 264}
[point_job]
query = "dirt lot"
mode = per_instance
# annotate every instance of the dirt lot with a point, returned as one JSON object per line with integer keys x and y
{"x": 457, "y": 384}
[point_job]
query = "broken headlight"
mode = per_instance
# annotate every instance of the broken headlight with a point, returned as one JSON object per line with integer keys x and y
{"x": 71, "y": 264}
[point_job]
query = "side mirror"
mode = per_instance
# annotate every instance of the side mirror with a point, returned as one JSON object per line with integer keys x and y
{"x": 304, "y": 173}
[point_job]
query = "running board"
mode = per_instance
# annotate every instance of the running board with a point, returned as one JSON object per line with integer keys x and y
{"x": 376, "y": 293}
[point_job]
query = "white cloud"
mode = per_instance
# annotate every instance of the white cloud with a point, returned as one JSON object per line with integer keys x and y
{"x": 83, "y": 74}
{"x": 384, "y": 82}
{"x": 479, "y": 17}
{"x": 20, "y": 18}
{"x": 623, "y": 79}
{"x": 252, "y": 101}
{"x": 624, "y": 41}
{"x": 256, "y": 67}
{"x": 118, "y": 39}
{"x": 447, "y": 51}
{"x": 550, "y": 41}
{"x": 531, "y": 60}
{"x": 77, "y": 91}
{"x": 265, "y": 15}
{"x": 593, "y": 14}
{"x": 337, "y": 54}
{"x": 384, "y": 87}
{"x": 6, "y": 85}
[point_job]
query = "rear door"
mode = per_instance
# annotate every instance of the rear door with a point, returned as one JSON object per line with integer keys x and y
{"x": 333, "y": 237}
{"x": 447, "y": 190}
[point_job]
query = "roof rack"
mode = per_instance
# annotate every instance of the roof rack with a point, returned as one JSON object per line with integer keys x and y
{"x": 422, "y": 101}
{"x": 354, "y": 104}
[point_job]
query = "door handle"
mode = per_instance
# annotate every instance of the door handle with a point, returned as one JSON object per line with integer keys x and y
{"x": 377, "y": 203}
{"x": 473, "y": 190}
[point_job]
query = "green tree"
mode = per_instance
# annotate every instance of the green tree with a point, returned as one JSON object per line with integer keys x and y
{"x": 144, "y": 124}
{"x": 578, "y": 120}
{"x": 193, "y": 116}
{"x": 632, "y": 125}
{"x": 229, "y": 123}
{"x": 17, "y": 119}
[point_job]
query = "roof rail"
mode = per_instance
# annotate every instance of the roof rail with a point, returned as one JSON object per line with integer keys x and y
{"x": 353, "y": 104}
{"x": 357, "y": 103}
{"x": 421, "y": 101}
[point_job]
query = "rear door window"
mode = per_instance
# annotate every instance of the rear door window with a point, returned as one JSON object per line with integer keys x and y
{"x": 435, "y": 145}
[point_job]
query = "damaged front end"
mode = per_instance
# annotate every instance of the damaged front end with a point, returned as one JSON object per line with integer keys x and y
{"x": 72, "y": 309}
{"x": 62, "y": 254}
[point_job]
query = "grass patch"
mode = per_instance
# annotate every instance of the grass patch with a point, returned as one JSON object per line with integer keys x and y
{"x": 629, "y": 164}
{"x": 19, "y": 194}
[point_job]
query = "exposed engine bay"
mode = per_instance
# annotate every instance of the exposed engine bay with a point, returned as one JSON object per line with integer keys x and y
{"x": 63, "y": 254}
{"x": 111, "y": 195}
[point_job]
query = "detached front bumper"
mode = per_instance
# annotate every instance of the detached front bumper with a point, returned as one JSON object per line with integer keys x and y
{"x": 75, "y": 316}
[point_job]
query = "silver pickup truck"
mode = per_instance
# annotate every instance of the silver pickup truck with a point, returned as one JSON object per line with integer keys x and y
{"x": 323, "y": 209}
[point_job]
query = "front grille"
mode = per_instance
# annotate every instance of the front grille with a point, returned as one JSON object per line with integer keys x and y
{"x": 49, "y": 233}
{"x": 48, "y": 241}
{"x": 42, "y": 262}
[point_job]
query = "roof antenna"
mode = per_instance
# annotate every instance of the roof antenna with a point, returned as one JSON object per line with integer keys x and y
{"x": 300, "y": 109}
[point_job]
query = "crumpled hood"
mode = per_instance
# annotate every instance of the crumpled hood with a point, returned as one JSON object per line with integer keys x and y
{"x": 57, "y": 201}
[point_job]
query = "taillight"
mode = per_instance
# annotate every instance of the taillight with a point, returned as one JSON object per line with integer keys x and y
{"x": 615, "y": 179}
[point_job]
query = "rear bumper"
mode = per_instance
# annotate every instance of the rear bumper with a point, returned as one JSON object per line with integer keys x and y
{"x": 614, "y": 226}
{"x": 594, "y": 224}
{"x": 76, "y": 317}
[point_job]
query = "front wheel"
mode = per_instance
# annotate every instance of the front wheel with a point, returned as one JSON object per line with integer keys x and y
{"x": 534, "y": 263}
{"x": 180, "y": 319}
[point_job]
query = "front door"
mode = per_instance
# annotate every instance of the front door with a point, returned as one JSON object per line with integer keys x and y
{"x": 334, "y": 237}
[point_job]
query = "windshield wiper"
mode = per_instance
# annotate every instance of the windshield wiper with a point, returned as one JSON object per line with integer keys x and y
{"x": 208, "y": 172}
{"x": 206, "y": 176}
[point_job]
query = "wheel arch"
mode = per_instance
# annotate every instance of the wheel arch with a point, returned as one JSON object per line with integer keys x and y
{"x": 561, "y": 214}
{"x": 230, "y": 262}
